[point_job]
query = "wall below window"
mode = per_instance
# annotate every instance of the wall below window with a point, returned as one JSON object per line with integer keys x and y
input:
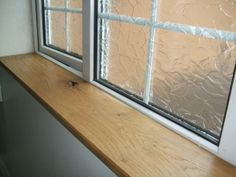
{"x": 16, "y": 31}
{"x": 34, "y": 143}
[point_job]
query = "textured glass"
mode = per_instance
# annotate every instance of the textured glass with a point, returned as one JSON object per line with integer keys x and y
{"x": 75, "y": 3}
{"x": 192, "y": 77}
{"x": 63, "y": 29}
{"x": 55, "y": 3}
{"x": 138, "y": 8}
{"x": 219, "y": 14}
{"x": 75, "y": 33}
{"x": 123, "y": 55}
{"x": 179, "y": 56}
{"x": 56, "y": 29}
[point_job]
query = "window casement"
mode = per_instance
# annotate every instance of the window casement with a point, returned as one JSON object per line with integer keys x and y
{"x": 180, "y": 71}
{"x": 160, "y": 57}
{"x": 60, "y": 31}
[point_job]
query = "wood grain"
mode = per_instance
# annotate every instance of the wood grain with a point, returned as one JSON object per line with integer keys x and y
{"x": 124, "y": 139}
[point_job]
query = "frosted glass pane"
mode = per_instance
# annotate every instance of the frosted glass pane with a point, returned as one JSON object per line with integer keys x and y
{"x": 75, "y": 33}
{"x": 62, "y": 34}
{"x": 75, "y": 3}
{"x": 219, "y": 14}
{"x": 56, "y": 29}
{"x": 55, "y": 3}
{"x": 124, "y": 55}
{"x": 138, "y": 8}
{"x": 192, "y": 78}
{"x": 61, "y": 3}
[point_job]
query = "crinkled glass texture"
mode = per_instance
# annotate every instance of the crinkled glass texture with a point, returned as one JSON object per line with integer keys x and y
{"x": 178, "y": 57}
{"x": 192, "y": 77}
{"x": 63, "y": 25}
{"x": 75, "y": 33}
{"x": 75, "y": 3}
{"x": 137, "y": 8}
{"x": 56, "y": 28}
{"x": 124, "y": 68}
{"x": 216, "y": 14}
{"x": 61, "y": 3}
{"x": 55, "y": 3}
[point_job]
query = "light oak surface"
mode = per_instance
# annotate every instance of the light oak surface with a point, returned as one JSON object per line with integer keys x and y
{"x": 130, "y": 143}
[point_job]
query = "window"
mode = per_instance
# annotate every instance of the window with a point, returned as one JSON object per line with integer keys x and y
{"x": 169, "y": 58}
{"x": 163, "y": 57}
{"x": 61, "y": 30}
{"x": 63, "y": 26}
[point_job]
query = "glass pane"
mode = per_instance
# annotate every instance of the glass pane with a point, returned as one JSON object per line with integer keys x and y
{"x": 219, "y": 14}
{"x": 123, "y": 55}
{"x": 56, "y": 29}
{"x": 138, "y": 8}
{"x": 75, "y": 33}
{"x": 55, "y": 3}
{"x": 75, "y": 3}
{"x": 63, "y": 31}
{"x": 192, "y": 78}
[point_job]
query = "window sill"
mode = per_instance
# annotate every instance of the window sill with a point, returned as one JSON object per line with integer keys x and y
{"x": 123, "y": 138}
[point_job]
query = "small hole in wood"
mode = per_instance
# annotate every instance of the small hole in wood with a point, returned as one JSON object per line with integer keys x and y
{"x": 72, "y": 83}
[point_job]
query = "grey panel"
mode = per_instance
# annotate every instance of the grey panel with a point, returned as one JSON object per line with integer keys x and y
{"x": 35, "y": 144}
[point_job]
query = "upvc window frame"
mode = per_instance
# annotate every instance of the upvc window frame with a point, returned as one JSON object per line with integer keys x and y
{"x": 85, "y": 69}
{"x": 74, "y": 62}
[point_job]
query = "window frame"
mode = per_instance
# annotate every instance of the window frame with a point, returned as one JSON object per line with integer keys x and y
{"x": 65, "y": 58}
{"x": 227, "y": 144}
{"x": 152, "y": 24}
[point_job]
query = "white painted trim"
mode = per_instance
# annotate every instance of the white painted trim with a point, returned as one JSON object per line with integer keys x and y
{"x": 88, "y": 39}
{"x": 67, "y": 9}
{"x": 63, "y": 57}
{"x": 227, "y": 147}
{"x": 150, "y": 53}
{"x": 74, "y": 71}
{"x": 210, "y": 33}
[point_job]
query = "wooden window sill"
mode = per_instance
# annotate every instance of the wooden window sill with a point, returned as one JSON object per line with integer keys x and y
{"x": 124, "y": 139}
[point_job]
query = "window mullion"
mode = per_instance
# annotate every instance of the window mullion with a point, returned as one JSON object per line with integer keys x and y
{"x": 88, "y": 39}
{"x": 150, "y": 52}
{"x": 62, "y": 9}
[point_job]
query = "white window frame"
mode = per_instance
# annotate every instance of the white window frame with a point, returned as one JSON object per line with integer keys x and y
{"x": 85, "y": 69}
{"x": 67, "y": 59}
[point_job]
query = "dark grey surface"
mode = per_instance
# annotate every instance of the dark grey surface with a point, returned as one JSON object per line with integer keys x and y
{"x": 35, "y": 144}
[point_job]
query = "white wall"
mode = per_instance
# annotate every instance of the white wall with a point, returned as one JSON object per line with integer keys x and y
{"x": 16, "y": 32}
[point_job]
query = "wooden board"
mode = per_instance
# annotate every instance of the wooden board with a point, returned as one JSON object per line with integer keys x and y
{"x": 127, "y": 141}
